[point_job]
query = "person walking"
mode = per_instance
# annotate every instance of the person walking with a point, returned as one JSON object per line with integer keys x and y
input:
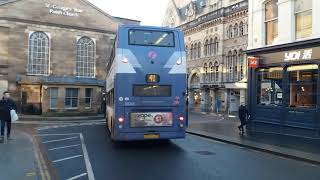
{"x": 6, "y": 105}
{"x": 243, "y": 116}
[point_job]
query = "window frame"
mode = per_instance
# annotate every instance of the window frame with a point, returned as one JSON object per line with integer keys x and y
{"x": 266, "y": 21}
{"x": 47, "y": 35}
{"x": 295, "y": 16}
{"x": 71, "y": 98}
{"x": 57, "y": 98}
{"x": 85, "y": 98}
{"x": 94, "y": 57}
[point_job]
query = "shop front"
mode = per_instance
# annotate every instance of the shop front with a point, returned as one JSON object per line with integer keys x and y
{"x": 284, "y": 89}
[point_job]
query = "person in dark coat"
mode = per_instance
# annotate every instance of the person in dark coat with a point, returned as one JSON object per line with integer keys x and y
{"x": 6, "y": 105}
{"x": 243, "y": 116}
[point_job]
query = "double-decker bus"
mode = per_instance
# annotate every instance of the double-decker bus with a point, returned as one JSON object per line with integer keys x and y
{"x": 146, "y": 84}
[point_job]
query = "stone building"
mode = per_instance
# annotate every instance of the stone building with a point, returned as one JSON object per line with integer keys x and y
{"x": 53, "y": 54}
{"x": 216, "y": 37}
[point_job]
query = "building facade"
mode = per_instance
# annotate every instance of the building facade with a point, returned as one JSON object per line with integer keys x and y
{"x": 216, "y": 38}
{"x": 284, "y": 77}
{"x": 53, "y": 55}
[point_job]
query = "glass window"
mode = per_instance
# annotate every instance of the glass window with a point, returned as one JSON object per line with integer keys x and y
{"x": 88, "y": 97}
{"x": 303, "y": 13}
{"x": 151, "y": 38}
{"x": 270, "y": 90}
{"x": 271, "y": 21}
{"x": 85, "y": 65}
{"x": 38, "y": 62}
{"x": 199, "y": 50}
{"x": 303, "y": 85}
{"x": 71, "y": 98}
{"x": 54, "y": 94}
{"x": 151, "y": 91}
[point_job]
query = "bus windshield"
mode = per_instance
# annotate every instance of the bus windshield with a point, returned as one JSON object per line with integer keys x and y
{"x": 151, "y": 38}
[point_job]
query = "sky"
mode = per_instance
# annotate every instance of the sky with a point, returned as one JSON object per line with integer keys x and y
{"x": 149, "y": 12}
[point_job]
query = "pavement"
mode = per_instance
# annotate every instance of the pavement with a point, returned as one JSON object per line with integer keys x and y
{"x": 223, "y": 128}
{"x": 87, "y": 152}
{"x": 18, "y": 157}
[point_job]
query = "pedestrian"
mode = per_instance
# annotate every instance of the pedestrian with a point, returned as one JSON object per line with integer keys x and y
{"x": 243, "y": 116}
{"x": 6, "y": 105}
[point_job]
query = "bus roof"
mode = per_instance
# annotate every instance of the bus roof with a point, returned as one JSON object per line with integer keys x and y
{"x": 149, "y": 27}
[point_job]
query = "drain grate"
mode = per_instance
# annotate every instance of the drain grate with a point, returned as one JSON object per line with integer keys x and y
{"x": 206, "y": 153}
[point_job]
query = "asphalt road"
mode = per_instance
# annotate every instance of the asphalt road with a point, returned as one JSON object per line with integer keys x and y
{"x": 193, "y": 158}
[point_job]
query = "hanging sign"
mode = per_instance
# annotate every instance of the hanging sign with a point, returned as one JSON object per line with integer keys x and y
{"x": 253, "y": 62}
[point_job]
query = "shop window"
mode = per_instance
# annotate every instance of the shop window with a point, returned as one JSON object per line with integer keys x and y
{"x": 54, "y": 94}
{"x": 303, "y": 14}
{"x": 88, "y": 97}
{"x": 38, "y": 62}
{"x": 271, "y": 21}
{"x": 303, "y": 85}
{"x": 270, "y": 90}
{"x": 85, "y": 65}
{"x": 71, "y": 98}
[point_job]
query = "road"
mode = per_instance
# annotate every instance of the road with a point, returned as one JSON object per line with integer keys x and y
{"x": 193, "y": 158}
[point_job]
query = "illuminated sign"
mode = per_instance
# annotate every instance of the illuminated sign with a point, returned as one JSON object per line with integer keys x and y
{"x": 253, "y": 62}
{"x": 63, "y": 10}
{"x": 298, "y": 55}
{"x": 152, "y": 78}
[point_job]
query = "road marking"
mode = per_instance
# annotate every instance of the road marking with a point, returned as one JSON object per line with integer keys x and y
{"x": 64, "y": 147}
{"x": 72, "y": 157}
{"x": 86, "y": 159}
{"x": 58, "y": 140}
{"x": 76, "y": 177}
{"x": 41, "y": 135}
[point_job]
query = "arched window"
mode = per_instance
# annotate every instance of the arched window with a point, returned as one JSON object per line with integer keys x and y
{"x": 229, "y": 65}
{"x": 206, "y": 47}
{"x": 205, "y": 69}
{"x": 211, "y": 72}
{"x": 241, "y": 29}
{"x": 187, "y": 51}
{"x": 230, "y": 31}
{"x": 242, "y": 64}
{"x": 195, "y": 51}
{"x": 235, "y": 30}
{"x": 86, "y": 51}
{"x": 199, "y": 50}
{"x": 38, "y": 61}
{"x": 191, "y": 50}
{"x": 211, "y": 47}
{"x": 216, "y": 65}
{"x": 216, "y": 45}
{"x": 235, "y": 65}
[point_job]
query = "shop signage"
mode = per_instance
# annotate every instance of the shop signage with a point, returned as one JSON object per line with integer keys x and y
{"x": 253, "y": 62}
{"x": 298, "y": 55}
{"x": 63, "y": 10}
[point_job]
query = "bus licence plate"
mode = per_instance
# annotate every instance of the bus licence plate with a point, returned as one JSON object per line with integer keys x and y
{"x": 151, "y": 136}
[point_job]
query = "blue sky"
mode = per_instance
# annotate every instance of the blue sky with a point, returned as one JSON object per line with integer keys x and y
{"x": 149, "y": 12}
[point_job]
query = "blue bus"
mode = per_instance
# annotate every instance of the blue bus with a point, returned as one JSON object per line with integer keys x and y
{"x": 146, "y": 84}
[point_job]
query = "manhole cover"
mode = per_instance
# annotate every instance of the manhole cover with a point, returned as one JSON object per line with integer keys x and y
{"x": 205, "y": 153}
